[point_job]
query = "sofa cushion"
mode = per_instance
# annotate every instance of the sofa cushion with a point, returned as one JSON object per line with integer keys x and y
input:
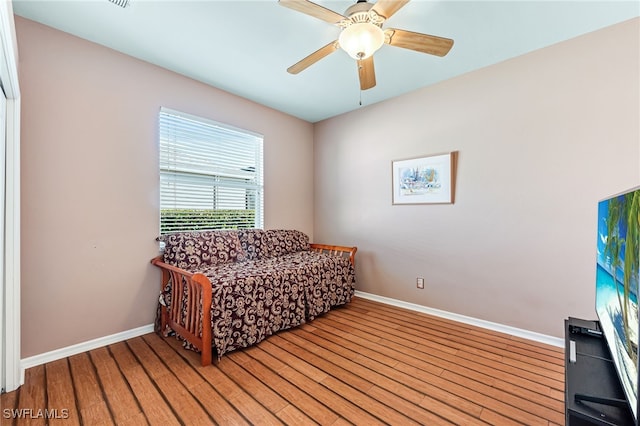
{"x": 285, "y": 241}
{"x": 252, "y": 300}
{"x": 194, "y": 250}
{"x": 254, "y": 244}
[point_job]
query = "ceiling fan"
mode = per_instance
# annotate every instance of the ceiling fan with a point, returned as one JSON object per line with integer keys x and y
{"x": 362, "y": 35}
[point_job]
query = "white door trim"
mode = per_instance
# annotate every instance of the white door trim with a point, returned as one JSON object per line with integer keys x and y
{"x": 9, "y": 76}
{"x": 3, "y": 142}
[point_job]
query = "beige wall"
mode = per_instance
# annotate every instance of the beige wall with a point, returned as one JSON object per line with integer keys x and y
{"x": 541, "y": 139}
{"x": 90, "y": 181}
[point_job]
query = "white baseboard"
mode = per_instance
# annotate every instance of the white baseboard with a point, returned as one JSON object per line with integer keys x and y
{"x": 518, "y": 332}
{"x": 57, "y": 354}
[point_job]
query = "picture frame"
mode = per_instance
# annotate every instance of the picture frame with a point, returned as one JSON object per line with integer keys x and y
{"x": 424, "y": 180}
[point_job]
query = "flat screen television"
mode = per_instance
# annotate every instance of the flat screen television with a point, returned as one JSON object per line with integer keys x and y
{"x": 617, "y": 271}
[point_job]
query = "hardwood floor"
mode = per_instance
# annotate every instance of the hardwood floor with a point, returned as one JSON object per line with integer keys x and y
{"x": 366, "y": 363}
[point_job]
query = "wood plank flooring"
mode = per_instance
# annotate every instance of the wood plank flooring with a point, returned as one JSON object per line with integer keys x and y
{"x": 366, "y": 363}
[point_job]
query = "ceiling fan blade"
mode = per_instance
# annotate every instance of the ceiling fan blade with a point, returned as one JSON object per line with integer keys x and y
{"x": 424, "y": 43}
{"x": 387, "y": 8}
{"x": 313, "y": 9}
{"x": 367, "y": 73}
{"x": 313, "y": 58}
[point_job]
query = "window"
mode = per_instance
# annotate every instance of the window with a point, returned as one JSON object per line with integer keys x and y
{"x": 210, "y": 175}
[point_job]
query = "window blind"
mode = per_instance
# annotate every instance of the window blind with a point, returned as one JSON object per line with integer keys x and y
{"x": 210, "y": 175}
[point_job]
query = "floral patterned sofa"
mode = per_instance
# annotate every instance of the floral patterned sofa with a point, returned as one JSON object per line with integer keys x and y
{"x": 255, "y": 282}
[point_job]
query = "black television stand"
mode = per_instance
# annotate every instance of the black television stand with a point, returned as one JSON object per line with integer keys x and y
{"x": 580, "y": 397}
{"x": 593, "y": 394}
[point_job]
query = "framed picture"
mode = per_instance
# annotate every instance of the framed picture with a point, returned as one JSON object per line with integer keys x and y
{"x": 424, "y": 180}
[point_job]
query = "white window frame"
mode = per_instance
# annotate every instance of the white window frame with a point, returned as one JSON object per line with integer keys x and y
{"x": 204, "y": 177}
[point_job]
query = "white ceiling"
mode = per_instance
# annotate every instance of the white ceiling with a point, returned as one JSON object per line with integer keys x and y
{"x": 245, "y": 47}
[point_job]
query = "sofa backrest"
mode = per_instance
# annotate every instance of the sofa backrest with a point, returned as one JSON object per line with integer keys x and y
{"x": 199, "y": 249}
{"x": 285, "y": 241}
{"x": 254, "y": 244}
{"x": 260, "y": 244}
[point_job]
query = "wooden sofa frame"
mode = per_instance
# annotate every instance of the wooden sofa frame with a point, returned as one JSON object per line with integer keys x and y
{"x": 199, "y": 293}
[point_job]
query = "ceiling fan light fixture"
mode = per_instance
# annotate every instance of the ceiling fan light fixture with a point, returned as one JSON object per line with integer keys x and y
{"x": 361, "y": 40}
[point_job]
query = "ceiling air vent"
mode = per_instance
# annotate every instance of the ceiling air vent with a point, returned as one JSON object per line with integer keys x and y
{"x": 121, "y": 3}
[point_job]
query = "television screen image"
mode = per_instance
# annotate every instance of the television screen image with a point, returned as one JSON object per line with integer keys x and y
{"x": 617, "y": 273}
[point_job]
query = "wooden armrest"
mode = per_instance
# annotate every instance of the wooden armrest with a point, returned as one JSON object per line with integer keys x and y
{"x": 159, "y": 262}
{"x": 336, "y": 251}
{"x": 195, "y": 290}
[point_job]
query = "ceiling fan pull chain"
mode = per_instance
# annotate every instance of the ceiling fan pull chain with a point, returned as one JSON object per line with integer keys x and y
{"x": 360, "y": 97}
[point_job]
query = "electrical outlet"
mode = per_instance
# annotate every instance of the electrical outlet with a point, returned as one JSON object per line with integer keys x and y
{"x": 420, "y": 282}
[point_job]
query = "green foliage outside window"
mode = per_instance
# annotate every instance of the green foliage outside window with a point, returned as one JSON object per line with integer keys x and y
{"x": 172, "y": 220}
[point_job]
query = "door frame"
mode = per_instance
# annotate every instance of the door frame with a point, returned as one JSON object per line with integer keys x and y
{"x": 11, "y": 371}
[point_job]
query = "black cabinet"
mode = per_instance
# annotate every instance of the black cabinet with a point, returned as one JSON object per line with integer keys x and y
{"x": 592, "y": 378}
